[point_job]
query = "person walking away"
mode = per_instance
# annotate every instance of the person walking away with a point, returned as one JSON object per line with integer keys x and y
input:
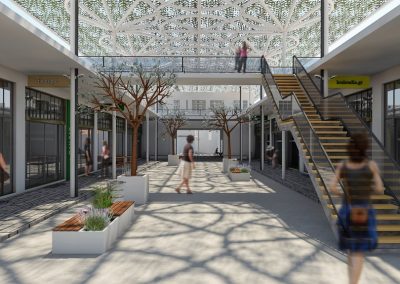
{"x": 105, "y": 161}
{"x": 237, "y": 58}
{"x": 88, "y": 157}
{"x": 243, "y": 57}
{"x": 187, "y": 165}
{"x": 357, "y": 222}
{"x": 263, "y": 65}
{"x": 4, "y": 175}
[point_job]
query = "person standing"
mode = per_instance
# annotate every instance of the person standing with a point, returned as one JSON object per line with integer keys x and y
{"x": 4, "y": 175}
{"x": 88, "y": 157}
{"x": 243, "y": 57}
{"x": 187, "y": 165}
{"x": 105, "y": 161}
{"x": 357, "y": 222}
{"x": 237, "y": 58}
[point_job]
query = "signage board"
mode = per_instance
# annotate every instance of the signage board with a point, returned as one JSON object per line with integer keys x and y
{"x": 350, "y": 82}
{"x": 48, "y": 81}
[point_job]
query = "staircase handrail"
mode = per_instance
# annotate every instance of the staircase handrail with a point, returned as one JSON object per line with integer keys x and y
{"x": 292, "y": 95}
{"x": 346, "y": 125}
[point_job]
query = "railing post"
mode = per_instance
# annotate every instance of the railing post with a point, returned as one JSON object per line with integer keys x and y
{"x": 183, "y": 70}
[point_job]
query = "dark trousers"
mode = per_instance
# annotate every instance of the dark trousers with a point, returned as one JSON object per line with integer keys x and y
{"x": 105, "y": 163}
{"x": 237, "y": 62}
{"x": 242, "y": 64}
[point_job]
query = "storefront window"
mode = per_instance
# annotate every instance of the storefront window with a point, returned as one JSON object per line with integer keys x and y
{"x": 86, "y": 124}
{"x": 45, "y": 130}
{"x": 104, "y": 133}
{"x": 120, "y": 136}
{"x": 392, "y": 119}
{"x": 362, "y": 104}
{"x": 6, "y": 130}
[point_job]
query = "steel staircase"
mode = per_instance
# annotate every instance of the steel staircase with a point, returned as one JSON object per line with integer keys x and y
{"x": 323, "y": 139}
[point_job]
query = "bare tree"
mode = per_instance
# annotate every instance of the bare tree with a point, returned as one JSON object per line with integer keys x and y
{"x": 227, "y": 119}
{"x": 132, "y": 94}
{"x": 172, "y": 124}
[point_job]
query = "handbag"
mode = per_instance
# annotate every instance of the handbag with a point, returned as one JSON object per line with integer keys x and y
{"x": 358, "y": 216}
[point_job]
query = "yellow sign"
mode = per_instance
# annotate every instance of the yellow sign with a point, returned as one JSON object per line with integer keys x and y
{"x": 48, "y": 81}
{"x": 349, "y": 82}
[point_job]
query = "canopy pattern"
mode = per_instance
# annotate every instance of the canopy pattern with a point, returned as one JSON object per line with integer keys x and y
{"x": 276, "y": 29}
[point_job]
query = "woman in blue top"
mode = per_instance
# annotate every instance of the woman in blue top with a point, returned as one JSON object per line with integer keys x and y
{"x": 357, "y": 221}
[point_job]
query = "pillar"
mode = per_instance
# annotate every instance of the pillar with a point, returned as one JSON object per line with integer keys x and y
{"x": 19, "y": 137}
{"x": 241, "y": 142}
{"x": 284, "y": 154}
{"x": 95, "y": 142}
{"x": 156, "y": 139}
{"x": 147, "y": 137}
{"x": 262, "y": 138}
{"x": 249, "y": 141}
{"x": 126, "y": 143}
{"x": 301, "y": 161}
{"x": 72, "y": 137}
{"x": 114, "y": 145}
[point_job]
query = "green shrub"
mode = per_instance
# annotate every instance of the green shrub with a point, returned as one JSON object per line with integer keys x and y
{"x": 244, "y": 170}
{"x": 95, "y": 223}
{"x": 104, "y": 195}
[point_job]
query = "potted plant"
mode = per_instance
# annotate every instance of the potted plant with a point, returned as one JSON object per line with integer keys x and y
{"x": 172, "y": 124}
{"x": 132, "y": 95}
{"x": 227, "y": 119}
{"x": 239, "y": 174}
{"x": 99, "y": 227}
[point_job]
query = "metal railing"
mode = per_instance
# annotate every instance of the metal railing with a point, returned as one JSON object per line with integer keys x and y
{"x": 324, "y": 168}
{"x": 336, "y": 107}
{"x": 176, "y": 64}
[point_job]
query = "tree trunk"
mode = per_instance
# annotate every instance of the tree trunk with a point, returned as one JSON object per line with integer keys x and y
{"x": 134, "y": 151}
{"x": 228, "y": 135}
{"x": 173, "y": 145}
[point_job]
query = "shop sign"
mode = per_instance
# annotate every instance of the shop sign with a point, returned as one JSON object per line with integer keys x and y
{"x": 48, "y": 81}
{"x": 350, "y": 82}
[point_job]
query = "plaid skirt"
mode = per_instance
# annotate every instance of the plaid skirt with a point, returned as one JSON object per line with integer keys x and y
{"x": 354, "y": 238}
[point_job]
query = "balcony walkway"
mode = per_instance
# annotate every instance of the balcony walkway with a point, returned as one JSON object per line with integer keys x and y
{"x": 246, "y": 232}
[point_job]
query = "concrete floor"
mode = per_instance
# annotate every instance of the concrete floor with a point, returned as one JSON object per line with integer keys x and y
{"x": 245, "y": 232}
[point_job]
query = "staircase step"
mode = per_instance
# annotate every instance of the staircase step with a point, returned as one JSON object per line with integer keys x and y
{"x": 389, "y": 240}
{"x": 376, "y": 206}
{"x": 388, "y": 228}
{"x": 373, "y": 197}
{"x": 380, "y": 217}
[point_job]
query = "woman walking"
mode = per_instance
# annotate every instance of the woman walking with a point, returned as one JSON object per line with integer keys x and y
{"x": 88, "y": 157}
{"x": 187, "y": 165}
{"x": 243, "y": 57}
{"x": 4, "y": 175}
{"x": 105, "y": 161}
{"x": 357, "y": 221}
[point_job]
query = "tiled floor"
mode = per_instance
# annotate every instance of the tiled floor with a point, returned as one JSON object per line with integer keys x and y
{"x": 17, "y": 213}
{"x": 243, "y": 232}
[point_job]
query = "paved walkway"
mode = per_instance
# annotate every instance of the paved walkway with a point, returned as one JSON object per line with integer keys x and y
{"x": 245, "y": 232}
{"x": 18, "y": 213}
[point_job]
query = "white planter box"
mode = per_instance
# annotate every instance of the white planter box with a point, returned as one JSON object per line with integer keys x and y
{"x": 134, "y": 188}
{"x": 173, "y": 160}
{"x": 90, "y": 242}
{"x": 239, "y": 176}
{"x": 125, "y": 220}
{"x": 85, "y": 242}
{"x": 228, "y": 163}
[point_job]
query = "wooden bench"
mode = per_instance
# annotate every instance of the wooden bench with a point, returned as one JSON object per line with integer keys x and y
{"x": 74, "y": 223}
{"x": 119, "y": 208}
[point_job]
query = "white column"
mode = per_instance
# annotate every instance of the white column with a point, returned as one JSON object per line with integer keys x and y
{"x": 271, "y": 142}
{"x": 326, "y": 27}
{"x": 325, "y": 80}
{"x": 249, "y": 141}
{"x": 126, "y": 143}
{"x": 72, "y": 136}
{"x": 262, "y": 138}
{"x": 19, "y": 138}
{"x": 147, "y": 137}
{"x": 155, "y": 139}
{"x": 241, "y": 142}
{"x": 301, "y": 161}
{"x": 114, "y": 145}
{"x": 284, "y": 149}
{"x": 95, "y": 143}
